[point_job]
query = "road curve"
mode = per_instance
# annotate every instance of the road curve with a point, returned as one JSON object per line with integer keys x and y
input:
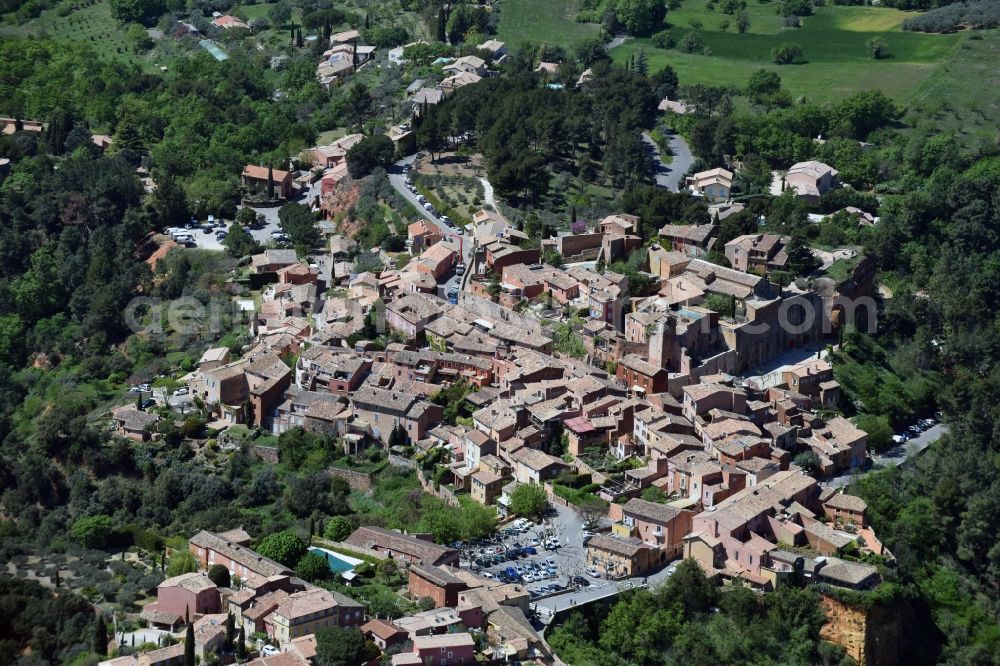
{"x": 670, "y": 176}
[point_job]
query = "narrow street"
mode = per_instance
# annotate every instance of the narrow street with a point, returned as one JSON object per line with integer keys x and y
{"x": 397, "y": 178}
{"x": 893, "y": 457}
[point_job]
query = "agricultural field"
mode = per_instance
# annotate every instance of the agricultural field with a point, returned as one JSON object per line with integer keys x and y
{"x": 88, "y": 22}
{"x": 538, "y": 21}
{"x": 962, "y": 94}
{"x": 833, "y": 42}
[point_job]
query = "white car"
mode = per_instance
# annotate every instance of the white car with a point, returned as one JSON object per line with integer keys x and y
{"x": 181, "y": 391}
{"x": 487, "y": 575}
{"x": 593, "y": 573}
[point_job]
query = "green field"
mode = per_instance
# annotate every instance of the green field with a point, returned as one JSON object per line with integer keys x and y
{"x": 833, "y": 41}
{"x": 538, "y": 21}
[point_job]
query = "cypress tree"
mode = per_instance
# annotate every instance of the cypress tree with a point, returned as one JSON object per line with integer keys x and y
{"x": 230, "y": 631}
{"x": 241, "y": 646}
{"x": 442, "y": 35}
{"x": 101, "y": 636}
{"x": 270, "y": 183}
{"x": 189, "y": 646}
{"x": 367, "y": 23}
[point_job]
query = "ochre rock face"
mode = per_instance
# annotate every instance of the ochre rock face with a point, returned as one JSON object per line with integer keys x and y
{"x": 872, "y": 637}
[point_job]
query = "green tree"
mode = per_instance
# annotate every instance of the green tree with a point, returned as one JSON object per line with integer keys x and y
{"x": 640, "y": 17}
{"x": 280, "y": 13}
{"x": 338, "y": 528}
{"x": 387, "y": 569}
{"x": 283, "y": 547}
{"x": 100, "y": 641}
{"x": 879, "y": 430}
{"x": 742, "y": 21}
{"x": 181, "y": 562}
{"x": 299, "y": 223}
{"x": 372, "y": 152}
{"x": 359, "y": 104}
{"x": 808, "y": 461}
{"x": 801, "y": 260}
{"x": 342, "y": 646}
{"x": 787, "y": 53}
{"x": 189, "y": 659}
{"x": 93, "y": 531}
{"x": 239, "y": 243}
{"x": 763, "y": 85}
{"x": 313, "y": 568}
{"x": 528, "y": 499}
{"x": 136, "y": 11}
{"x": 877, "y": 48}
{"x": 241, "y": 645}
{"x": 219, "y": 574}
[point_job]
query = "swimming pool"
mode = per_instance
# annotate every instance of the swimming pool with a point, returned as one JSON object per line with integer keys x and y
{"x": 338, "y": 563}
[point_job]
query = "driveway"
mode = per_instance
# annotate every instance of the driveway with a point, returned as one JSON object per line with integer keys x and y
{"x": 893, "y": 457}
{"x": 670, "y": 176}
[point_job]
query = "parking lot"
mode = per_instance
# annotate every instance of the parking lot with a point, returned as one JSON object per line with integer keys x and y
{"x": 548, "y": 558}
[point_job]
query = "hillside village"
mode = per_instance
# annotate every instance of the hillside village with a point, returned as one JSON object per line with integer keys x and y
{"x": 671, "y": 430}
{"x": 496, "y": 409}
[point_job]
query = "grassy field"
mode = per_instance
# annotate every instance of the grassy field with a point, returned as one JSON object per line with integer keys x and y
{"x": 833, "y": 41}
{"x": 537, "y": 21}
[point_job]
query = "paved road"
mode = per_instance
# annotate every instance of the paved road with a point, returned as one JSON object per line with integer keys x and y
{"x": 618, "y": 40}
{"x": 670, "y": 176}
{"x": 397, "y": 178}
{"x": 488, "y": 193}
{"x": 895, "y": 456}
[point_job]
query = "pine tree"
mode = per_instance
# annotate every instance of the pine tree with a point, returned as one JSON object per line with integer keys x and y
{"x": 642, "y": 65}
{"x": 189, "y": 646}
{"x": 101, "y": 636}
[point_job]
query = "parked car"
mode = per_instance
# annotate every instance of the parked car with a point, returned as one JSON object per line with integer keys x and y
{"x": 551, "y": 561}
{"x": 581, "y": 581}
{"x": 181, "y": 391}
{"x": 593, "y": 573}
{"x": 488, "y": 576}
{"x": 147, "y": 403}
{"x": 529, "y": 551}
